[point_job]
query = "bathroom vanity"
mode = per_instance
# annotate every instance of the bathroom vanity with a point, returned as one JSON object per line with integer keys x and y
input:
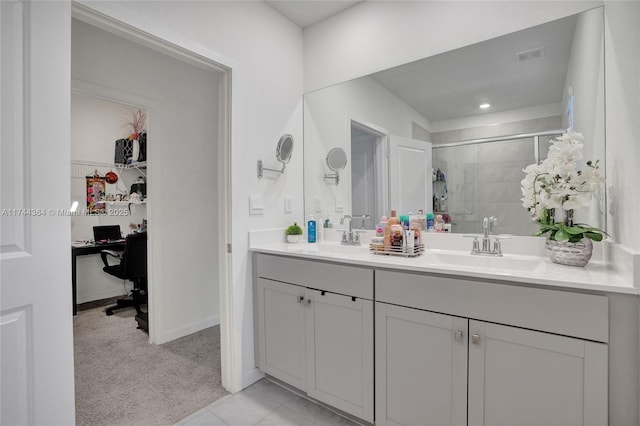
{"x": 459, "y": 339}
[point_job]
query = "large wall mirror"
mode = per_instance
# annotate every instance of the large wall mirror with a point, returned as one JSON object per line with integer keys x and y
{"x": 419, "y": 136}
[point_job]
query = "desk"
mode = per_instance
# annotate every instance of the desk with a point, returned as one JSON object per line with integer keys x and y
{"x": 83, "y": 251}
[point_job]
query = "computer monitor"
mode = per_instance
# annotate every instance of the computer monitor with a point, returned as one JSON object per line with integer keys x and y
{"x": 106, "y": 233}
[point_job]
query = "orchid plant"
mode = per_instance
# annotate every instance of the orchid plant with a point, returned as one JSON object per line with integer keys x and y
{"x": 559, "y": 183}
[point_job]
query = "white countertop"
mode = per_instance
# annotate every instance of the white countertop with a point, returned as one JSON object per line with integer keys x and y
{"x": 537, "y": 270}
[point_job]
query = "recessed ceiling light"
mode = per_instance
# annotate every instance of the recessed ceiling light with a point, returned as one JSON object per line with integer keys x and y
{"x": 484, "y": 106}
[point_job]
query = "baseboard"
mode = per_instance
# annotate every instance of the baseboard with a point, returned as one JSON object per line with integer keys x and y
{"x": 250, "y": 377}
{"x": 169, "y": 335}
{"x": 84, "y": 298}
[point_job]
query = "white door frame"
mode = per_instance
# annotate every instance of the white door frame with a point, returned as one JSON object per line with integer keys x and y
{"x": 231, "y": 361}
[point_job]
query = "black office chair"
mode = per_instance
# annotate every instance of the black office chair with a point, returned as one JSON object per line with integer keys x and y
{"x": 133, "y": 267}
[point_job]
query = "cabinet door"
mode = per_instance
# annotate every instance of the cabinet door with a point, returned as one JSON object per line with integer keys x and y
{"x": 281, "y": 328}
{"x": 421, "y": 367}
{"x": 523, "y": 377}
{"x": 340, "y": 352}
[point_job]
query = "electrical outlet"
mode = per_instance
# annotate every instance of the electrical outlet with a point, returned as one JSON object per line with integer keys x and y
{"x": 318, "y": 205}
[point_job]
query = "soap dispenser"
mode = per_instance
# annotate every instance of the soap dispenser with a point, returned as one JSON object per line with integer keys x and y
{"x": 311, "y": 229}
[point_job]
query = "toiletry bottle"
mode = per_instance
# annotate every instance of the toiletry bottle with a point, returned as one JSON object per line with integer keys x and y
{"x": 397, "y": 239}
{"x": 311, "y": 230}
{"x": 410, "y": 241}
{"x": 439, "y": 225}
{"x": 404, "y": 221}
{"x": 430, "y": 222}
{"x": 319, "y": 231}
{"x": 393, "y": 220}
{"x": 380, "y": 227}
{"x": 422, "y": 220}
{"x": 414, "y": 226}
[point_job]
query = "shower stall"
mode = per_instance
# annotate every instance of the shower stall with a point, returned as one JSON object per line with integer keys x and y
{"x": 483, "y": 179}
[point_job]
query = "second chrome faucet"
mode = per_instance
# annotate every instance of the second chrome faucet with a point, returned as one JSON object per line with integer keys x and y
{"x": 487, "y": 248}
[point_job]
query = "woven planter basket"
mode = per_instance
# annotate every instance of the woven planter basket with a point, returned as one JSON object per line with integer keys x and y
{"x": 571, "y": 254}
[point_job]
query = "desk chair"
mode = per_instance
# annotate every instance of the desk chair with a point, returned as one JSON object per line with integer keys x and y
{"x": 133, "y": 267}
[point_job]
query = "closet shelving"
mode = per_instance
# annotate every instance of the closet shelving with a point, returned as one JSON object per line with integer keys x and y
{"x": 80, "y": 168}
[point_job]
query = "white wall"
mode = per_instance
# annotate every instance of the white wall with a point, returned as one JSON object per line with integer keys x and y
{"x": 264, "y": 50}
{"x": 377, "y": 35}
{"x": 95, "y": 125}
{"x": 622, "y": 47}
{"x": 182, "y": 183}
{"x": 328, "y": 115}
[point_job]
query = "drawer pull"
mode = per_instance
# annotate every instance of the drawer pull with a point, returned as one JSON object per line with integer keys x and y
{"x": 458, "y": 336}
{"x": 475, "y": 339}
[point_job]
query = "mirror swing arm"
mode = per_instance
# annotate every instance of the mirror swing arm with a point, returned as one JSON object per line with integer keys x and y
{"x": 283, "y": 155}
{"x": 261, "y": 169}
{"x": 335, "y": 176}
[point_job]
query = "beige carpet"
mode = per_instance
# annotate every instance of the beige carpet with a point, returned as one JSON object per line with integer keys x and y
{"x": 123, "y": 380}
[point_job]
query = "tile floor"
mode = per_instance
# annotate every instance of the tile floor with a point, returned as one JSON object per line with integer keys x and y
{"x": 264, "y": 403}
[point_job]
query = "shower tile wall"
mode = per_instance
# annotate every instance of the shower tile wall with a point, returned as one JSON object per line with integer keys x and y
{"x": 484, "y": 179}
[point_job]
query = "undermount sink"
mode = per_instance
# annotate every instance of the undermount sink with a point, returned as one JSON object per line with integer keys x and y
{"x": 329, "y": 248}
{"x": 506, "y": 263}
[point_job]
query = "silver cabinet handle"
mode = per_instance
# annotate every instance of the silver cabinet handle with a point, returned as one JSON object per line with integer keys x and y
{"x": 301, "y": 299}
{"x": 308, "y": 302}
{"x": 475, "y": 339}
{"x": 458, "y": 336}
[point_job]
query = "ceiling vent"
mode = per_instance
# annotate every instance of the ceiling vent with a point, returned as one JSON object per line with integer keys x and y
{"x": 538, "y": 52}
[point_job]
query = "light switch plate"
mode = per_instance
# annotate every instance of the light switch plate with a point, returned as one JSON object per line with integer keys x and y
{"x": 339, "y": 205}
{"x": 256, "y": 205}
{"x": 318, "y": 205}
{"x": 288, "y": 204}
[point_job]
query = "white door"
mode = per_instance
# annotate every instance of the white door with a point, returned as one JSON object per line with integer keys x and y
{"x": 421, "y": 367}
{"x": 410, "y": 186}
{"x": 281, "y": 322}
{"x": 524, "y": 377}
{"x": 35, "y": 256}
{"x": 340, "y": 352}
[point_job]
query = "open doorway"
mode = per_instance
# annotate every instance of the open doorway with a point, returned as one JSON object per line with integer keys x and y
{"x": 368, "y": 171}
{"x": 187, "y": 101}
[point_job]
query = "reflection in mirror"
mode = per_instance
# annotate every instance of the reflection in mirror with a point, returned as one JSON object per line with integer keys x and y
{"x": 284, "y": 149}
{"x": 336, "y": 161}
{"x": 431, "y": 110}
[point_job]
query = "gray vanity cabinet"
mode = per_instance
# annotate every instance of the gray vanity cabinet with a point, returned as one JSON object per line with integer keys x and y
{"x": 526, "y": 377}
{"x": 421, "y": 367}
{"x": 431, "y": 366}
{"x": 282, "y": 317}
{"x": 315, "y": 330}
{"x": 340, "y": 352}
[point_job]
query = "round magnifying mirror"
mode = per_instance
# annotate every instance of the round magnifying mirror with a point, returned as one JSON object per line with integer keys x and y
{"x": 285, "y": 147}
{"x": 337, "y": 159}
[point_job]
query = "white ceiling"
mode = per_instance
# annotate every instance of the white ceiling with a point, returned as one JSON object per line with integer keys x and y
{"x": 306, "y": 13}
{"x": 453, "y": 84}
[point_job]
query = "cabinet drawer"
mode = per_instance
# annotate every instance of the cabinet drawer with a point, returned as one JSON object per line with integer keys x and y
{"x": 572, "y": 314}
{"x": 341, "y": 279}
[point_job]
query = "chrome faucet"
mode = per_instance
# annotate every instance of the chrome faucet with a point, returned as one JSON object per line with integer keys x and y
{"x": 488, "y": 249}
{"x": 349, "y": 238}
